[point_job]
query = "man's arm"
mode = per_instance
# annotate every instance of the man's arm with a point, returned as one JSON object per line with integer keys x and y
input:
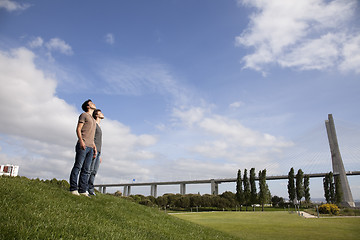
{"x": 78, "y": 133}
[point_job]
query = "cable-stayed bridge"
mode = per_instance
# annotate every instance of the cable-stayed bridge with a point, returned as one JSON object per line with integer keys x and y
{"x": 302, "y": 151}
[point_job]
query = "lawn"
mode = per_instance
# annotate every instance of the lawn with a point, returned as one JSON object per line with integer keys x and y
{"x": 276, "y": 225}
{"x": 33, "y": 209}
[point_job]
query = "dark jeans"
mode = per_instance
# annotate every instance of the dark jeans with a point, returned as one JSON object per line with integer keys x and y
{"x": 93, "y": 170}
{"x": 83, "y": 159}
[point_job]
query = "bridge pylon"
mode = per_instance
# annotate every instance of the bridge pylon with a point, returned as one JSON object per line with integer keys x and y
{"x": 337, "y": 163}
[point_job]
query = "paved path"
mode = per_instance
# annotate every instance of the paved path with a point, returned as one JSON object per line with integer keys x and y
{"x": 307, "y": 215}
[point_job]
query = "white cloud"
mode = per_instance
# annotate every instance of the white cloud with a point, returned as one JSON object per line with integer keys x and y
{"x": 236, "y": 104}
{"x": 120, "y": 141}
{"x": 189, "y": 116}
{"x": 36, "y": 42}
{"x": 13, "y": 6}
{"x": 57, "y": 44}
{"x": 38, "y": 132}
{"x": 317, "y": 54}
{"x": 26, "y": 91}
{"x": 303, "y": 34}
{"x": 38, "y": 124}
{"x": 53, "y": 45}
{"x": 226, "y": 139}
{"x": 351, "y": 53}
{"x": 110, "y": 39}
{"x": 234, "y": 131}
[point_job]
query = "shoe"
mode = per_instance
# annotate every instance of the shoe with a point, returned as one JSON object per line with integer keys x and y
{"x": 92, "y": 194}
{"x": 84, "y": 194}
{"x": 75, "y": 192}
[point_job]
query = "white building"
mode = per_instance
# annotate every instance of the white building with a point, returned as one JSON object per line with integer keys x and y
{"x": 9, "y": 170}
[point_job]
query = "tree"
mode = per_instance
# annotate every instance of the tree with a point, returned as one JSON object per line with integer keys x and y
{"x": 239, "y": 189}
{"x": 332, "y": 187}
{"x": 195, "y": 200}
{"x": 171, "y": 199}
{"x": 291, "y": 185}
{"x": 338, "y": 190}
{"x": 246, "y": 189}
{"x": 221, "y": 202}
{"x": 207, "y": 200}
{"x": 307, "y": 188}
{"x": 329, "y": 188}
{"x": 277, "y": 201}
{"x": 182, "y": 202}
{"x": 231, "y": 197}
{"x": 152, "y": 199}
{"x": 264, "y": 189}
{"x": 326, "y": 188}
{"x": 253, "y": 192}
{"x": 299, "y": 185}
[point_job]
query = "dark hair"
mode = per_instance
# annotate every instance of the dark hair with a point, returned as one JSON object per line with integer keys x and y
{"x": 95, "y": 113}
{"x": 85, "y": 105}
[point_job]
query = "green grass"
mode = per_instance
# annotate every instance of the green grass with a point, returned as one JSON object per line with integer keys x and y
{"x": 33, "y": 209}
{"x": 276, "y": 225}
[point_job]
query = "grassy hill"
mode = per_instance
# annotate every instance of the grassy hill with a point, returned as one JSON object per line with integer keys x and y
{"x": 34, "y": 209}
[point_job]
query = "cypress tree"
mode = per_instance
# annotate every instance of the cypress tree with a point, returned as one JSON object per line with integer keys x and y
{"x": 332, "y": 187}
{"x": 263, "y": 188}
{"x": 246, "y": 189}
{"x": 338, "y": 190}
{"x": 291, "y": 185}
{"x": 326, "y": 188}
{"x": 307, "y": 188}
{"x": 299, "y": 185}
{"x": 239, "y": 189}
{"x": 253, "y": 194}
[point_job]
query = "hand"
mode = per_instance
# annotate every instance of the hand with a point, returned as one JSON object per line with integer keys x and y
{"x": 82, "y": 145}
{"x": 100, "y": 159}
{"x": 95, "y": 150}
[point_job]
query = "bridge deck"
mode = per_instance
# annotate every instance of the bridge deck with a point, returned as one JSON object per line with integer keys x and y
{"x": 218, "y": 181}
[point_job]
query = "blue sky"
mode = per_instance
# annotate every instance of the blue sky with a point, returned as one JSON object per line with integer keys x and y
{"x": 189, "y": 89}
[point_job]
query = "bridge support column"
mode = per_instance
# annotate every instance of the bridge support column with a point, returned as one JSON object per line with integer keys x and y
{"x": 103, "y": 190}
{"x": 153, "y": 190}
{"x": 337, "y": 163}
{"x": 127, "y": 191}
{"x": 214, "y": 187}
{"x": 182, "y": 188}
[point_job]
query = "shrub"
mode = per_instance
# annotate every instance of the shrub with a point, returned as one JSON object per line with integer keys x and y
{"x": 137, "y": 198}
{"x": 118, "y": 193}
{"x": 277, "y": 201}
{"x": 329, "y": 209}
{"x": 146, "y": 202}
{"x": 61, "y": 183}
{"x": 350, "y": 212}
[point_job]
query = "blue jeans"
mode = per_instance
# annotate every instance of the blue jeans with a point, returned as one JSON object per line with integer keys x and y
{"x": 83, "y": 159}
{"x": 93, "y": 170}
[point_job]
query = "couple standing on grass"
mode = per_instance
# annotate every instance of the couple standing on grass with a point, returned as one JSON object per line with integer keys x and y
{"x": 88, "y": 150}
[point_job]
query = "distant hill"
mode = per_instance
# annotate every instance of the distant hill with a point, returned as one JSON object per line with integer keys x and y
{"x": 34, "y": 209}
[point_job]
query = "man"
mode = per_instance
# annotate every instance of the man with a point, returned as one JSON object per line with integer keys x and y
{"x": 97, "y": 115}
{"x": 85, "y": 150}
